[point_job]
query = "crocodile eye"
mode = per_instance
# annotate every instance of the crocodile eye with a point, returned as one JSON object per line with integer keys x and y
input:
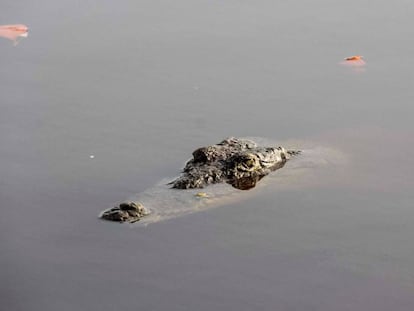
{"x": 248, "y": 162}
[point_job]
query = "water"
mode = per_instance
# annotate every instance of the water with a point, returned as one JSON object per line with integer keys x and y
{"x": 140, "y": 85}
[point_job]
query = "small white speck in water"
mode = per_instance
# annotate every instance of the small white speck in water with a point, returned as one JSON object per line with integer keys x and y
{"x": 91, "y": 156}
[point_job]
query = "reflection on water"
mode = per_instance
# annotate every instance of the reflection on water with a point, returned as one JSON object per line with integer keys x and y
{"x": 138, "y": 86}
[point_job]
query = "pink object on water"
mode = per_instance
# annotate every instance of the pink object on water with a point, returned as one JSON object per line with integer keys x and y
{"x": 13, "y": 32}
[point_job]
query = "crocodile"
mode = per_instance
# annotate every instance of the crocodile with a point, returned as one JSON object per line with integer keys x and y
{"x": 235, "y": 161}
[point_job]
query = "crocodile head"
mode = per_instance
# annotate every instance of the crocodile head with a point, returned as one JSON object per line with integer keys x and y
{"x": 239, "y": 162}
{"x": 246, "y": 168}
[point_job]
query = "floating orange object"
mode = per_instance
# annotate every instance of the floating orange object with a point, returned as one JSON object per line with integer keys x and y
{"x": 354, "y": 58}
{"x": 13, "y": 32}
{"x": 357, "y": 62}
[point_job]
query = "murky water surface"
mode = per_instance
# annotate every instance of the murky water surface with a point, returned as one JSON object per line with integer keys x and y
{"x": 139, "y": 85}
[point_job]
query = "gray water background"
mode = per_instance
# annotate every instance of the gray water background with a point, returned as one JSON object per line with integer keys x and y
{"x": 140, "y": 84}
